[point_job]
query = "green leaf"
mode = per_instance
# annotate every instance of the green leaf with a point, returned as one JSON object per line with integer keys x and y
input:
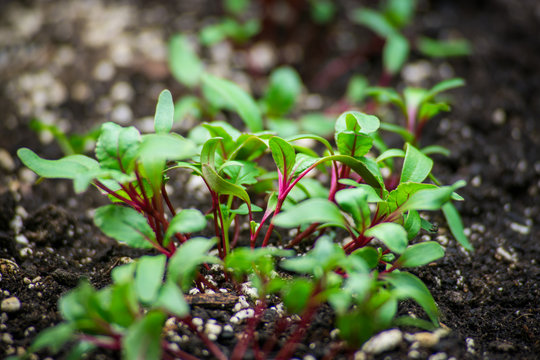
{"x": 282, "y": 127}
{"x": 375, "y": 21}
{"x": 431, "y": 199}
{"x": 414, "y": 322}
{"x": 357, "y": 89}
{"x": 416, "y": 166}
{"x": 213, "y": 179}
{"x": 243, "y": 260}
{"x": 243, "y": 174}
{"x": 399, "y": 196}
{"x": 400, "y": 12}
{"x": 366, "y": 168}
{"x": 236, "y": 99}
{"x": 400, "y": 130}
{"x": 143, "y": 339}
{"x": 317, "y": 123}
{"x": 420, "y": 254}
{"x": 395, "y": 53}
{"x": 412, "y": 224}
{"x": 324, "y": 257}
{"x": 385, "y": 95}
{"x": 392, "y": 235}
{"x": 322, "y": 11}
{"x": 444, "y": 86}
{"x": 283, "y": 90}
{"x": 124, "y": 225}
{"x": 69, "y": 167}
{"x": 187, "y": 106}
{"x": 185, "y": 65}
{"x": 429, "y": 110}
{"x": 354, "y": 201}
{"x": 80, "y": 350}
{"x": 157, "y": 149}
{"x": 390, "y": 153}
{"x": 163, "y": 119}
{"x": 149, "y": 277}
{"x": 369, "y": 255}
{"x": 435, "y": 149}
{"x": 315, "y": 210}
{"x": 123, "y": 273}
{"x": 358, "y": 122}
{"x": 183, "y": 264}
{"x": 236, "y": 7}
{"x": 372, "y": 195}
{"x": 283, "y": 154}
{"x": 456, "y": 225}
{"x": 296, "y": 294}
{"x": 172, "y": 300}
{"x": 353, "y": 144}
{"x": 444, "y": 48}
{"x": 53, "y": 338}
{"x": 124, "y": 303}
{"x": 186, "y": 221}
{"x": 117, "y": 147}
{"x": 408, "y": 286}
{"x": 313, "y": 137}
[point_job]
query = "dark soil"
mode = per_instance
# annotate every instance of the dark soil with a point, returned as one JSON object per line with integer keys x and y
{"x": 489, "y": 299}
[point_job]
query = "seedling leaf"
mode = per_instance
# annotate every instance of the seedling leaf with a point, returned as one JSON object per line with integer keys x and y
{"x": 163, "y": 119}
{"x": 315, "y": 210}
{"x": 283, "y": 154}
{"x": 236, "y": 99}
{"x": 392, "y": 235}
{"x": 420, "y": 254}
{"x": 395, "y": 53}
{"x": 284, "y": 87}
{"x": 416, "y": 166}
{"x": 143, "y": 339}
{"x": 456, "y": 225}
{"x": 185, "y": 65}
{"x": 186, "y": 221}
{"x": 408, "y": 286}
{"x": 125, "y": 225}
{"x": 149, "y": 276}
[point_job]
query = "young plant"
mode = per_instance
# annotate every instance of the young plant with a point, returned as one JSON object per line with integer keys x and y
{"x": 389, "y": 22}
{"x": 130, "y": 170}
{"x": 417, "y": 105}
{"x": 361, "y": 279}
{"x": 70, "y": 144}
{"x": 129, "y": 315}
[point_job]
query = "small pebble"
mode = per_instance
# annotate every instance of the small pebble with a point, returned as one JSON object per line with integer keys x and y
{"x": 121, "y": 114}
{"x": 7, "y": 338}
{"x": 6, "y": 161}
{"x": 384, "y": 341}
{"x": 104, "y": 71}
{"x": 122, "y": 91}
{"x": 11, "y": 304}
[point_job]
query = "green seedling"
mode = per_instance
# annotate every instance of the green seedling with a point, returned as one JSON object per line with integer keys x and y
{"x": 390, "y": 21}
{"x": 70, "y": 144}
{"x": 417, "y": 105}
{"x": 363, "y": 279}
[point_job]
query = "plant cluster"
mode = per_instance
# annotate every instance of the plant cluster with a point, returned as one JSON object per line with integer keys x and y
{"x": 352, "y": 205}
{"x": 362, "y": 278}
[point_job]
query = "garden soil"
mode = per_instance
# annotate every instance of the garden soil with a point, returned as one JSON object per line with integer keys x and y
{"x": 79, "y": 64}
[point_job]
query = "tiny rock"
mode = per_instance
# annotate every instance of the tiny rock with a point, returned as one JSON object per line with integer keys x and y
{"x": 384, "y": 341}
{"x": 11, "y": 304}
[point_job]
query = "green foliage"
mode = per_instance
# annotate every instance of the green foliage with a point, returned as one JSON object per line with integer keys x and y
{"x": 185, "y": 65}
{"x": 363, "y": 279}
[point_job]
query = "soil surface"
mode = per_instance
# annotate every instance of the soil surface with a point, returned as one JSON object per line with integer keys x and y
{"x": 79, "y": 64}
